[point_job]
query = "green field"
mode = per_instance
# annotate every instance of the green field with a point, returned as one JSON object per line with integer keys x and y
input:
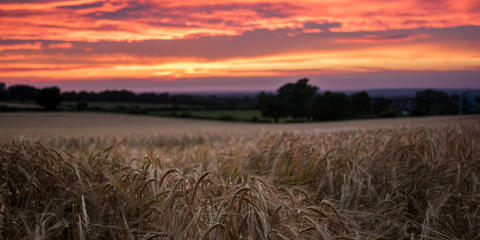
{"x": 19, "y": 105}
{"x": 114, "y": 105}
{"x": 240, "y": 115}
{"x": 224, "y": 115}
{"x": 161, "y": 110}
{"x": 154, "y": 110}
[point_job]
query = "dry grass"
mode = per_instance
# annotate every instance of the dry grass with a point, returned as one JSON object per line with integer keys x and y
{"x": 47, "y": 126}
{"x": 412, "y": 181}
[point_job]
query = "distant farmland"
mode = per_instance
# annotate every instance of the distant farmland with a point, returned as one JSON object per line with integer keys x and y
{"x": 114, "y": 176}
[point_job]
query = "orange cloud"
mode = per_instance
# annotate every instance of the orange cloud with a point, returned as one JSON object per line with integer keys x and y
{"x": 382, "y": 39}
{"x": 398, "y": 58}
{"x": 66, "y": 45}
{"x": 26, "y": 46}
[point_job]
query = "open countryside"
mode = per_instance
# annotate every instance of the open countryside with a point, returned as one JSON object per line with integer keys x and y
{"x": 239, "y": 120}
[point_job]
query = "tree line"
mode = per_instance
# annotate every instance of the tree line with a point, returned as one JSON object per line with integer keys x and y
{"x": 302, "y": 101}
{"x": 51, "y": 97}
{"x": 299, "y": 101}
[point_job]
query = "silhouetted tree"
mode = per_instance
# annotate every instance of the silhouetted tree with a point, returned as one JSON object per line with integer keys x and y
{"x": 21, "y": 92}
{"x": 3, "y": 92}
{"x": 330, "y": 106}
{"x": 381, "y": 104}
{"x": 431, "y": 102}
{"x": 271, "y": 106}
{"x": 49, "y": 98}
{"x": 361, "y": 103}
{"x": 296, "y": 96}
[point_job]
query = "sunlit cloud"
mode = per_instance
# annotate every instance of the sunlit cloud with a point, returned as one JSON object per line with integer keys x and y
{"x": 26, "y": 46}
{"x": 403, "y": 58}
{"x": 399, "y": 37}
{"x": 66, "y": 45}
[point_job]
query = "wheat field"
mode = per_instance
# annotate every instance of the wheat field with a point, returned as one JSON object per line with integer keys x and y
{"x": 108, "y": 176}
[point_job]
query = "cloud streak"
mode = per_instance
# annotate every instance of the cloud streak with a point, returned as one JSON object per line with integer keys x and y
{"x": 122, "y": 20}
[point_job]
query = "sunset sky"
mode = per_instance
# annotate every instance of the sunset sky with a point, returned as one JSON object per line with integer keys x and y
{"x": 192, "y": 45}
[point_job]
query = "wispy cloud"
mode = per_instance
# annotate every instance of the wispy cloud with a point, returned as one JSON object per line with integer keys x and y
{"x": 24, "y": 46}
{"x": 397, "y": 37}
{"x": 66, "y": 45}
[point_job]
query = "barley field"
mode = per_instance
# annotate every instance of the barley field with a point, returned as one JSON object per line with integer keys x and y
{"x": 112, "y": 176}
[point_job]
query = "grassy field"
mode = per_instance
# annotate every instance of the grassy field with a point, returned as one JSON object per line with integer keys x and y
{"x": 113, "y": 176}
{"x": 223, "y": 115}
{"x": 28, "y": 105}
{"x": 241, "y": 115}
{"x": 154, "y": 109}
{"x": 114, "y": 105}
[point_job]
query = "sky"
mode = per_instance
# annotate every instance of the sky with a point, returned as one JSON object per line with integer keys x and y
{"x": 193, "y": 45}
